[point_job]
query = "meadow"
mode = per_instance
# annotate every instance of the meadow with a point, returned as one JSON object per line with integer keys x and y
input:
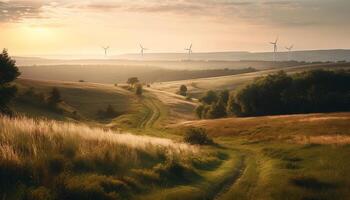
{"x": 140, "y": 153}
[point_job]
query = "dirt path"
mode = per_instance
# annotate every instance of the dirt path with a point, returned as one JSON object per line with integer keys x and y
{"x": 225, "y": 186}
{"x": 152, "y": 115}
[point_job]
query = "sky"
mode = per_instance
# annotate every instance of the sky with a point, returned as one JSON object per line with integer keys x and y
{"x": 82, "y": 27}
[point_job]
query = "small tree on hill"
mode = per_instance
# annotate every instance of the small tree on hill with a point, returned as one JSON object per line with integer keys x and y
{"x": 8, "y": 73}
{"x": 139, "y": 89}
{"x": 110, "y": 112}
{"x": 132, "y": 81}
{"x": 54, "y": 98}
{"x": 183, "y": 90}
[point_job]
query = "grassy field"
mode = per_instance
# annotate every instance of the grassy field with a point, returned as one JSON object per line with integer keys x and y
{"x": 293, "y": 156}
{"x": 272, "y": 157}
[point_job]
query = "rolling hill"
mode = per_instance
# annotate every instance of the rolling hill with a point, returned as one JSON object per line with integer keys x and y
{"x": 197, "y": 87}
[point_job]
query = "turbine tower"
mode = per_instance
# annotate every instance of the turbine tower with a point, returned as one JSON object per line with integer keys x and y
{"x": 106, "y": 50}
{"x": 274, "y": 48}
{"x": 189, "y": 51}
{"x": 290, "y": 48}
{"x": 142, "y": 49}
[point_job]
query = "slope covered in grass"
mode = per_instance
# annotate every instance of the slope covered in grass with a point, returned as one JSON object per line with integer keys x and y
{"x": 295, "y": 156}
{"x": 42, "y": 159}
{"x": 197, "y": 87}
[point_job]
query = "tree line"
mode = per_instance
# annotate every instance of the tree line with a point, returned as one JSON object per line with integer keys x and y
{"x": 305, "y": 92}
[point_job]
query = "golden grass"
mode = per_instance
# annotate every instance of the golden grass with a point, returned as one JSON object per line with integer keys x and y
{"x": 23, "y": 138}
{"x": 321, "y": 126}
{"x": 323, "y": 139}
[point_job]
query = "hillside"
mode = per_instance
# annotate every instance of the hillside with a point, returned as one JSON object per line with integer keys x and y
{"x": 299, "y": 156}
{"x": 84, "y": 99}
{"x": 197, "y": 87}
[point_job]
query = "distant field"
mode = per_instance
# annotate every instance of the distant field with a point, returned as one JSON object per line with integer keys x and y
{"x": 197, "y": 87}
{"x": 120, "y": 73}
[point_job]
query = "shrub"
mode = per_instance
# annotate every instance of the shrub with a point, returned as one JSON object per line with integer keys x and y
{"x": 197, "y": 136}
{"x": 183, "y": 90}
{"x": 109, "y": 112}
{"x": 54, "y": 97}
{"x": 139, "y": 90}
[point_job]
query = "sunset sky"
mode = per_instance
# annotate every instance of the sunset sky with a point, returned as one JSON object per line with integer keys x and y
{"x": 67, "y": 27}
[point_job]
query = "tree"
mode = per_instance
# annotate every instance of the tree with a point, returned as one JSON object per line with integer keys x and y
{"x": 199, "y": 111}
{"x": 8, "y": 73}
{"x": 139, "y": 89}
{"x": 210, "y": 97}
{"x": 54, "y": 98}
{"x": 224, "y": 96}
{"x": 183, "y": 90}
{"x": 306, "y": 92}
{"x": 217, "y": 110}
{"x": 132, "y": 81}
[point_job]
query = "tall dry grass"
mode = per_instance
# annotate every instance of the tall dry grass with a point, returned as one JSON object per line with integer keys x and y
{"x": 31, "y": 138}
{"x": 50, "y": 154}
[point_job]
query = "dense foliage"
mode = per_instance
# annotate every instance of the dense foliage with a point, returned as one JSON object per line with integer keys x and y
{"x": 213, "y": 105}
{"x": 8, "y": 73}
{"x": 306, "y": 92}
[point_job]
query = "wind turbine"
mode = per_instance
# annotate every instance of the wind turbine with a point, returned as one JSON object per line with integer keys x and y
{"x": 142, "y": 49}
{"x": 189, "y": 51}
{"x": 290, "y": 51}
{"x": 274, "y": 48}
{"x": 106, "y": 50}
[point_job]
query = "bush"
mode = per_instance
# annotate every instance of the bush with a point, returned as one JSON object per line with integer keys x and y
{"x": 139, "y": 90}
{"x": 109, "y": 112}
{"x": 183, "y": 90}
{"x": 197, "y": 136}
{"x": 54, "y": 98}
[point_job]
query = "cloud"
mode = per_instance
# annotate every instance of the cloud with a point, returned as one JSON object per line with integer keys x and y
{"x": 14, "y": 11}
{"x": 282, "y": 13}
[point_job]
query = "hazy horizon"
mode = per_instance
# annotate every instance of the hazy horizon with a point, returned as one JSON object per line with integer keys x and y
{"x": 79, "y": 28}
